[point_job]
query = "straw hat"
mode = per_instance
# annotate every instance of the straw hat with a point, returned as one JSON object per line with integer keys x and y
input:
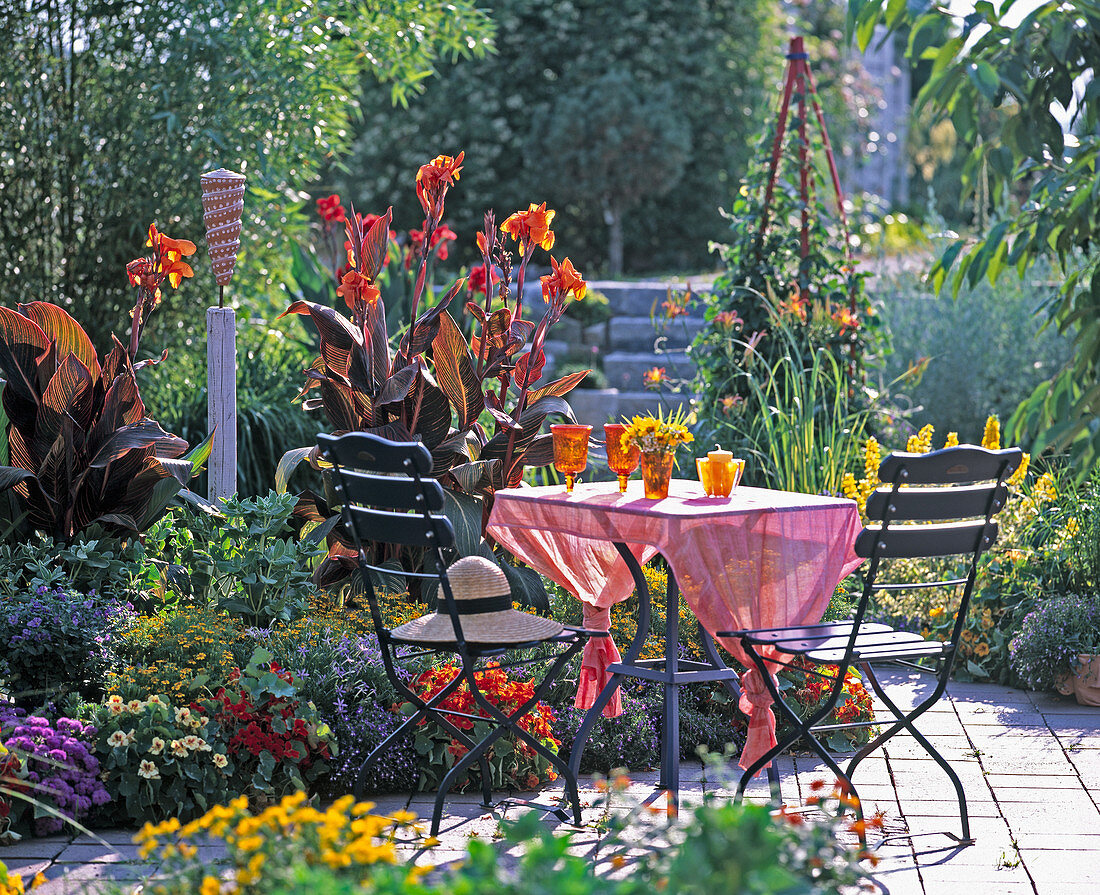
{"x": 483, "y": 599}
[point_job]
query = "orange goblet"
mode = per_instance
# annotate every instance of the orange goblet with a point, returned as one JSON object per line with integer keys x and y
{"x": 619, "y": 461}
{"x": 570, "y": 450}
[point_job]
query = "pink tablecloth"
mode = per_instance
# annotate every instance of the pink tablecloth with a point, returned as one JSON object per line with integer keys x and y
{"x": 756, "y": 559}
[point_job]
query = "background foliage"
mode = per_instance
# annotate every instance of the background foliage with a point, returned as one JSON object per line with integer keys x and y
{"x": 1030, "y": 67}
{"x": 114, "y": 110}
{"x": 506, "y": 111}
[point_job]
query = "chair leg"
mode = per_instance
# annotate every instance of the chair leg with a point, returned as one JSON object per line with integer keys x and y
{"x": 802, "y": 732}
{"x": 510, "y": 723}
{"x": 906, "y": 721}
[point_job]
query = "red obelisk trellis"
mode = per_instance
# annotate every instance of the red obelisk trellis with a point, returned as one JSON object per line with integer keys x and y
{"x": 799, "y": 85}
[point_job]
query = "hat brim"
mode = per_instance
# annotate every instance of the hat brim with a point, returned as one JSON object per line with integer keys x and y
{"x": 505, "y": 627}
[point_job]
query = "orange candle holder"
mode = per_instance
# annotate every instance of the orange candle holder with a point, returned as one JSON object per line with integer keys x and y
{"x": 570, "y": 450}
{"x": 619, "y": 461}
{"x": 719, "y": 476}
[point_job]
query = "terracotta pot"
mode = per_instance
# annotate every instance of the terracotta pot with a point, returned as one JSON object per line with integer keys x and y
{"x": 656, "y": 474}
{"x": 1085, "y": 684}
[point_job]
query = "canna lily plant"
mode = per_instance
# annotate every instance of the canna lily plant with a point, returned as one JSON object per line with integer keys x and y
{"x": 477, "y": 402}
{"x": 81, "y": 449}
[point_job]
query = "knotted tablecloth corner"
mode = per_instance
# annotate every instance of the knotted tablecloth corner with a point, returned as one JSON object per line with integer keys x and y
{"x": 756, "y": 702}
{"x": 599, "y": 653}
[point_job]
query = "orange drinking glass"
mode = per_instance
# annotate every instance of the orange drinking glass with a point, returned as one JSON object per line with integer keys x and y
{"x": 619, "y": 461}
{"x": 570, "y": 450}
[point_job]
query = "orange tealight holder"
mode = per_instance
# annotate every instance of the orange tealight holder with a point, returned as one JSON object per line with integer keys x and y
{"x": 570, "y": 450}
{"x": 619, "y": 461}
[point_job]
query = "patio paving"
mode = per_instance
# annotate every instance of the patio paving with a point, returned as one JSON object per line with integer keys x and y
{"x": 1030, "y": 763}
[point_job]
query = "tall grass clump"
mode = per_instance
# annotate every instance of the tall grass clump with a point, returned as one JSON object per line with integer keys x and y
{"x": 798, "y": 422}
{"x": 985, "y": 350}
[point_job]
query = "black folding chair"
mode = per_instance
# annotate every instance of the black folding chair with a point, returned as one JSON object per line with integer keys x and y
{"x": 389, "y": 498}
{"x": 929, "y": 505}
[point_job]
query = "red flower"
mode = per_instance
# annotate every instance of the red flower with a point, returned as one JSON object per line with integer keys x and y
{"x": 329, "y": 209}
{"x": 476, "y": 280}
{"x": 434, "y": 179}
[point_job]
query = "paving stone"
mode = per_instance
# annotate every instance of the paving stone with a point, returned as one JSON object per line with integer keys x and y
{"x": 899, "y": 882}
{"x": 1068, "y": 842}
{"x": 86, "y": 853}
{"x": 1052, "y": 867}
{"x": 1031, "y": 818}
{"x": 47, "y": 847}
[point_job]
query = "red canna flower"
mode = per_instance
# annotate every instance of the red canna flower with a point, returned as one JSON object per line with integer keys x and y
{"x": 354, "y": 287}
{"x": 476, "y": 280}
{"x": 531, "y": 227}
{"x": 329, "y": 209}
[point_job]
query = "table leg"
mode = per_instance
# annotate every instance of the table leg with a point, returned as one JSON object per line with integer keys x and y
{"x": 670, "y": 736}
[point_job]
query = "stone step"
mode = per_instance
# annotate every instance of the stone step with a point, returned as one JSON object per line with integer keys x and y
{"x": 594, "y": 407}
{"x": 641, "y": 299}
{"x": 633, "y": 403}
{"x": 639, "y": 333}
{"x": 625, "y": 370}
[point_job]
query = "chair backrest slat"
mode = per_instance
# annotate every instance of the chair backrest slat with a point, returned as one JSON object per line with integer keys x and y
{"x": 394, "y": 492}
{"x": 913, "y": 541}
{"x": 949, "y": 466}
{"x": 401, "y": 528}
{"x": 926, "y": 504}
{"x": 358, "y": 450}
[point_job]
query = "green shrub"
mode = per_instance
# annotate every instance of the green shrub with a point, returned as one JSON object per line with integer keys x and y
{"x": 985, "y": 351}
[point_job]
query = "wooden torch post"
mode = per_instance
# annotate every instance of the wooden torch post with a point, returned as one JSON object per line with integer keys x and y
{"x": 223, "y": 205}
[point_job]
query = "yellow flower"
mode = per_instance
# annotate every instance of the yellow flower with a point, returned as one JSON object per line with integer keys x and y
{"x": 220, "y": 761}
{"x": 1017, "y": 477}
{"x": 211, "y": 885}
{"x": 952, "y": 440}
{"x": 991, "y": 438}
{"x": 1044, "y": 490}
{"x": 157, "y": 746}
{"x": 981, "y": 650}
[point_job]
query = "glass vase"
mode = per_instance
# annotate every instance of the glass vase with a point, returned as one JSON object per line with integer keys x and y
{"x": 656, "y": 473}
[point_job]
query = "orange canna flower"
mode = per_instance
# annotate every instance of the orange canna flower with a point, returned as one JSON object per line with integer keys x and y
{"x": 564, "y": 280}
{"x": 433, "y": 180}
{"x": 653, "y": 377}
{"x": 531, "y": 227}
{"x": 354, "y": 287}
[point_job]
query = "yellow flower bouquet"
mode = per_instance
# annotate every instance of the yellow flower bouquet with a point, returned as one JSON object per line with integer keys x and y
{"x": 655, "y": 434}
{"x": 656, "y": 439}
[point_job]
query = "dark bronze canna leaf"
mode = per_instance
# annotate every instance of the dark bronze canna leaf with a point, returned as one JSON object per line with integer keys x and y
{"x": 64, "y": 331}
{"x": 454, "y": 369}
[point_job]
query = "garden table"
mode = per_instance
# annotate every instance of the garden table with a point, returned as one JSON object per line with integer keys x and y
{"x": 756, "y": 559}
